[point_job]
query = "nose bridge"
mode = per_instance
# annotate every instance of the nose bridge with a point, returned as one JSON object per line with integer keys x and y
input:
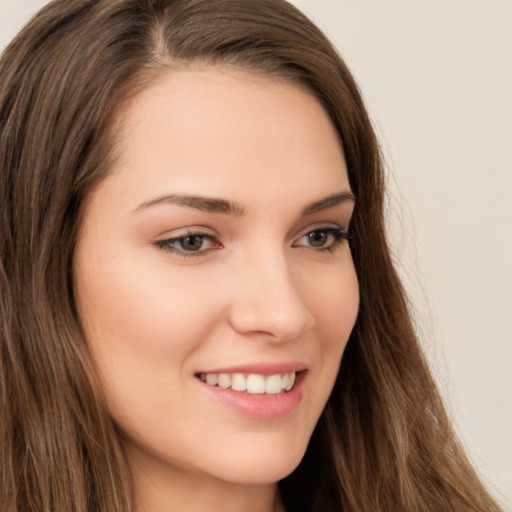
{"x": 268, "y": 299}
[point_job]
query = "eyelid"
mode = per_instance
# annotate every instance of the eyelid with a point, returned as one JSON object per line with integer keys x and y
{"x": 319, "y": 226}
{"x": 178, "y": 232}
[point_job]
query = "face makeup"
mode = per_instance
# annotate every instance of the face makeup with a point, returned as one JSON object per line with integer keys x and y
{"x": 214, "y": 277}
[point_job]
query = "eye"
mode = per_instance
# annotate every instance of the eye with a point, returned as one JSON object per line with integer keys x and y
{"x": 190, "y": 244}
{"x": 323, "y": 239}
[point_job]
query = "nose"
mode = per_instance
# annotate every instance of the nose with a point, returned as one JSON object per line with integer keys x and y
{"x": 267, "y": 301}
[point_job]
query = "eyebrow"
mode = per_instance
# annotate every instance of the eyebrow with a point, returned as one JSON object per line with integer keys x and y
{"x": 214, "y": 205}
{"x": 329, "y": 202}
{"x": 206, "y": 204}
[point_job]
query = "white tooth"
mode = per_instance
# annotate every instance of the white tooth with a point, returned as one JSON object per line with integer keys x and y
{"x": 291, "y": 381}
{"x": 284, "y": 381}
{"x": 202, "y": 376}
{"x": 212, "y": 379}
{"x": 238, "y": 382}
{"x": 273, "y": 385}
{"x": 224, "y": 380}
{"x": 255, "y": 384}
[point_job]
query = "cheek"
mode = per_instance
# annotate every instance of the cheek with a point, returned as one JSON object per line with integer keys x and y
{"x": 334, "y": 301}
{"x": 143, "y": 332}
{"x": 336, "y": 305}
{"x": 141, "y": 321}
{"x": 131, "y": 298}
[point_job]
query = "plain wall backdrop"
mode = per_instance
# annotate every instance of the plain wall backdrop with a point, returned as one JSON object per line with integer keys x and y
{"x": 437, "y": 77}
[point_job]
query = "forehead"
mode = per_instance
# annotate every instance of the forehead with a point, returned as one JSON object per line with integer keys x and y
{"x": 196, "y": 130}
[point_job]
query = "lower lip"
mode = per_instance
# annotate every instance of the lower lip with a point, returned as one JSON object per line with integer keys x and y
{"x": 262, "y": 407}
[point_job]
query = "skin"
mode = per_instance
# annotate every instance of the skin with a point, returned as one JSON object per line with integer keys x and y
{"x": 256, "y": 291}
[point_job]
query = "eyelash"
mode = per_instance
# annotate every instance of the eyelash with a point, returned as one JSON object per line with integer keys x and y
{"x": 338, "y": 235}
{"x": 167, "y": 245}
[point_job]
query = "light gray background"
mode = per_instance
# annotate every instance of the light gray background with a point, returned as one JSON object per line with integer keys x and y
{"x": 437, "y": 77}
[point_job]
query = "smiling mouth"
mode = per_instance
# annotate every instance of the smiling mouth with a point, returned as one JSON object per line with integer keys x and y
{"x": 253, "y": 383}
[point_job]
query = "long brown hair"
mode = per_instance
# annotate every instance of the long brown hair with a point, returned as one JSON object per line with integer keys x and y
{"x": 383, "y": 443}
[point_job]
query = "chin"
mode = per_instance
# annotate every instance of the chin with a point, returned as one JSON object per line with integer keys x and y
{"x": 260, "y": 467}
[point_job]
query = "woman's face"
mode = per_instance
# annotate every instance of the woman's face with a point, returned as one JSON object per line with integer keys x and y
{"x": 215, "y": 251}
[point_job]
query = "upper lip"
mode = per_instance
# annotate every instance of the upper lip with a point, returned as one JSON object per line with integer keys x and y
{"x": 261, "y": 368}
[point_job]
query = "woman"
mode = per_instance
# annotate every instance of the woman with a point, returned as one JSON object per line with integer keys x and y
{"x": 198, "y": 304}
